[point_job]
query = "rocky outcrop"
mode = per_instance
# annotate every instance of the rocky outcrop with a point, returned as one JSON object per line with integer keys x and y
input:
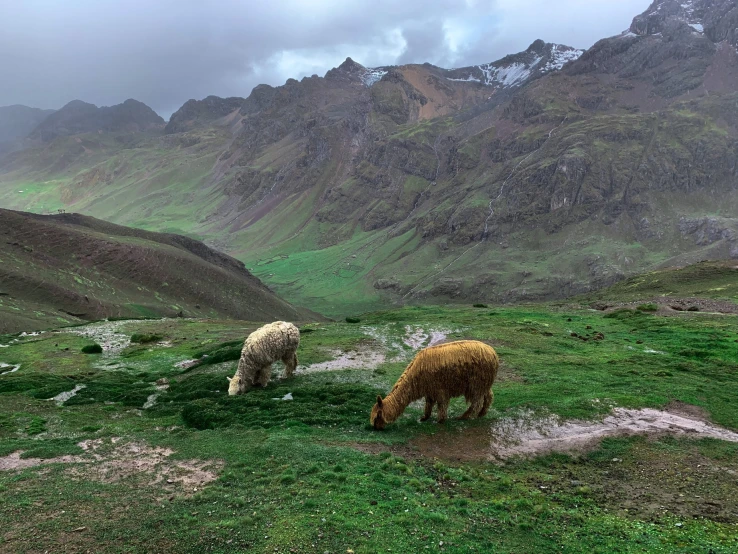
{"x": 196, "y": 113}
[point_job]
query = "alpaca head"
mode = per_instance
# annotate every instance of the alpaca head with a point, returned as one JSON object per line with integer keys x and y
{"x": 377, "y": 417}
{"x": 235, "y": 387}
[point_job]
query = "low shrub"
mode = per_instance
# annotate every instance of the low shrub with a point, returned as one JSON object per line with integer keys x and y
{"x": 648, "y": 307}
{"x": 92, "y": 349}
{"x": 353, "y": 320}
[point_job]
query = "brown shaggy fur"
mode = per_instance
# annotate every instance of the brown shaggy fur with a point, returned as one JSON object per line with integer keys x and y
{"x": 266, "y": 345}
{"x": 438, "y": 374}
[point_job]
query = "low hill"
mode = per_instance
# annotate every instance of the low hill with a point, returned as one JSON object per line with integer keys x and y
{"x": 67, "y": 268}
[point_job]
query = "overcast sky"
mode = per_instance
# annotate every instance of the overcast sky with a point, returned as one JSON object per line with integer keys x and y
{"x": 164, "y": 52}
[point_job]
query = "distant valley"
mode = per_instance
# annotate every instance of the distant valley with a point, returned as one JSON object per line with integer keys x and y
{"x": 548, "y": 173}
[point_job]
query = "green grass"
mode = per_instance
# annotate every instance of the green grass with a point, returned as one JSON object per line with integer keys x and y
{"x": 718, "y": 280}
{"x": 311, "y": 475}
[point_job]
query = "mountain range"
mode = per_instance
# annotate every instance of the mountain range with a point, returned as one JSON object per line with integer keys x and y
{"x": 547, "y": 173}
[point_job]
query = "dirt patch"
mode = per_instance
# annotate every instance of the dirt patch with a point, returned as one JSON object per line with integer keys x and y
{"x": 138, "y": 459}
{"x": 152, "y": 398}
{"x": 107, "y": 334}
{"x": 111, "y": 462}
{"x": 14, "y": 461}
{"x": 651, "y": 486}
{"x": 688, "y": 410}
{"x": 186, "y": 364}
{"x": 416, "y": 337}
{"x": 361, "y": 359}
{"x": 62, "y": 397}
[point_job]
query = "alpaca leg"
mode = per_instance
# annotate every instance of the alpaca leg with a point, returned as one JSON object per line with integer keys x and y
{"x": 429, "y": 402}
{"x": 443, "y": 410}
{"x": 261, "y": 379}
{"x": 290, "y": 364}
{"x": 488, "y": 398}
{"x": 470, "y": 411}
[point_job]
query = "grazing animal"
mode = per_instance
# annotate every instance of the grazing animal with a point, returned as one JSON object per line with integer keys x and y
{"x": 438, "y": 374}
{"x": 272, "y": 342}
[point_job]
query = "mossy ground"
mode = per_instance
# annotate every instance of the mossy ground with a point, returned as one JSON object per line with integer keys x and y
{"x": 297, "y": 475}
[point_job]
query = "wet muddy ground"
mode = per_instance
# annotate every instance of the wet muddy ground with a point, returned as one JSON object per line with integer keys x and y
{"x": 530, "y": 435}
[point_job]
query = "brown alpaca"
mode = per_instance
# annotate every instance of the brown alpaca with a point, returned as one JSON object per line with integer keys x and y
{"x": 438, "y": 374}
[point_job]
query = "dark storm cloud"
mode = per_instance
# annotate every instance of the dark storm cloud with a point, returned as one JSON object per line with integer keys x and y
{"x": 164, "y": 52}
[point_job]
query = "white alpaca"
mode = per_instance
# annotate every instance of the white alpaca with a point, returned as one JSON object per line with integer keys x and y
{"x": 272, "y": 342}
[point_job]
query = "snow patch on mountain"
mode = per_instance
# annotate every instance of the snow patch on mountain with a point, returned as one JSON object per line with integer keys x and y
{"x": 515, "y": 70}
{"x": 372, "y": 76}
{"x": 560, "y": 56}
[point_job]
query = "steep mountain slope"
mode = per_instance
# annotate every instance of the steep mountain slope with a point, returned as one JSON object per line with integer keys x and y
{"x": 521, "y": 179}
{"x": 17, "y": 121}
{"x": 80, "y": 117}
{"x": 66, "y": 268}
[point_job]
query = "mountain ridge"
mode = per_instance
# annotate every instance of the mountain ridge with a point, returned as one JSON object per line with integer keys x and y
{"x": 377, "y": 185}
{"x": 77, "y": 117}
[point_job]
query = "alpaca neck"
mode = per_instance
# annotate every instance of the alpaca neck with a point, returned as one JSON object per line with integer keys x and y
{"x": 396, "y": 402}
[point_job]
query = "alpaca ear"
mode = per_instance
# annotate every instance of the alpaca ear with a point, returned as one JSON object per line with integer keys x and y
{"x": 229, "y": 378}
{"x": 379, "y": 401}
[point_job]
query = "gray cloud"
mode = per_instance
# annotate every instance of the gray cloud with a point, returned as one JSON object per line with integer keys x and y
{"x": 164, "y": 52}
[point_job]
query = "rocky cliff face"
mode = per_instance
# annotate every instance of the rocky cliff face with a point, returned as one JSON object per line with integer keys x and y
{"x": 196, "y": 113}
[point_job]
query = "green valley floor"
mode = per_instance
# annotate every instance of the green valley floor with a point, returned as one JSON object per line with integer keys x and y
{"x": 611, "y": 431}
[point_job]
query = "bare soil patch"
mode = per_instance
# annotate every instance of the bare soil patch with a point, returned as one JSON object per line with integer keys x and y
{"x": 358, "y": 359}
{"x": 111, "y": 462}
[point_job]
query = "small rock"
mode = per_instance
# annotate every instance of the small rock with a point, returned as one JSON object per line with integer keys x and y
{"x": 373, "y": 502}
{"x": 79, "y": 529}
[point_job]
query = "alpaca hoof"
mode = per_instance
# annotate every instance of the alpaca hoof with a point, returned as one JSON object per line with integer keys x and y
{"x": 462, "y": 418}
{"x": 441, "y": 421}
{"x": 424, "y": 418}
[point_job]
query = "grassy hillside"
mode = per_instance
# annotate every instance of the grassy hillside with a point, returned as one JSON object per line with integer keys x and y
{"x": 717, "y": 280}
{"x": 149, "y": 455}
{"x": 65, "y": 269}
